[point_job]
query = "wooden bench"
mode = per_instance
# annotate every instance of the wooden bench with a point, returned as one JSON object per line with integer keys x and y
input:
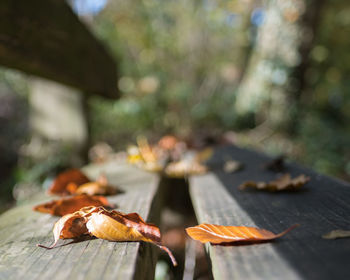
{"x": 323, "y": 205}
{"x": 21, "y": 229}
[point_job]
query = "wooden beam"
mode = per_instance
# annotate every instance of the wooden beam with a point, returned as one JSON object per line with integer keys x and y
{"x": 321, "y": 206}
{"x": 45, "y": 38}
{"x": 21, "y": 229}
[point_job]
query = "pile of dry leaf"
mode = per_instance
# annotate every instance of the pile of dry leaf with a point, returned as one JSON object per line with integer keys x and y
{"x": 169, "y": 156}
{"x": 83, "y": 207}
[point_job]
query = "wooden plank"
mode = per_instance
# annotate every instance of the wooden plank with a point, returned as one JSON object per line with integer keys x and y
{"x": 45, "y": 38}
{"x": 21, "y": 229}
{"x": 322, "y": 206}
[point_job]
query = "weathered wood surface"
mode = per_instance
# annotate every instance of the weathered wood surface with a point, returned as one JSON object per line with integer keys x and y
{"x": 45, "y": 38}
{"x": 21, "y": 229}
{"x": 323, "y": 205}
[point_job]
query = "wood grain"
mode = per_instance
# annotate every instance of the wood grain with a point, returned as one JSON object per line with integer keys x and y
{"x": 21, "y": 229}
{"x": 323, "y": 205}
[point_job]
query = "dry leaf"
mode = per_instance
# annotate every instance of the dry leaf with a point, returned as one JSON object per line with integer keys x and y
{"x": 276, "y": 165}
{"x": 110, "y": 225}
{"x": 117, "y": 226}
{"x": 168, "y": 142}
{"x": 100, "y": 187}
{"x": 183, "y": 168}
{"x": 69, "y": 226}
{"x": 217, "y": 234}
{"x": 71, "y": 176}
{"x": 146, "y": 150}
{"x": 134, "y": 155}
{"x": 231, "y": 166}
{"x": 338, "y": 233}
{"x": 284, "y": 183}
{"x": 143, "y": 156}
{"x": 151, "y": 166}
{"x": 69, "y": 205}
{"x": 204, "y": 155}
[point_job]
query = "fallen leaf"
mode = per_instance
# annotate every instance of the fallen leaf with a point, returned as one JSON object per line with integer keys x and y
{"x": 183, "y": 168}
{"x": 110, "y": 225}
{"x": 231, "y": 166}
{"x": 276, "y": 165}
{"x": 151, "y": 166}
{"x": 117, "y": 226}
{"x": 134, "y": 155}
{"x": 69, "y": 226}
{"x": 338, "y": 233}
{"x": 100, "y": 186}
{"x": 71, "y": 176}
{"x": 168, "y": 142}
{"x": 72, "y": 204}
{"x": 146, "y": 150}
{"x": 144, "y": 156}
{"x": 204, "y": 155}
{"x": 217, "y": 234}
{"x": 284, "y": 183}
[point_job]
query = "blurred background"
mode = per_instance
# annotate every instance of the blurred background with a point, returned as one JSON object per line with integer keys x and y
{"x": 269, "y": 75}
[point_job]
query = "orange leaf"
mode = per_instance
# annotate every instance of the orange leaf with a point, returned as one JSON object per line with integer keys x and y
{"x": 71, "y": 176}
{"x": 168, "y": 142}
{"x": 98, "y": 187}
{"x": 71, "y": 204}
{"x": 103, "y": 223}
{"x": 217, "y": 234}
{"x": 284, "y": 183}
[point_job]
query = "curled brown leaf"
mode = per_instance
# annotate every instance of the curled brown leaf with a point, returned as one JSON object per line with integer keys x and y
{"x": 283, "y": 183}
{"x": 69, "y": 226}
{"x": 110, "y": 225}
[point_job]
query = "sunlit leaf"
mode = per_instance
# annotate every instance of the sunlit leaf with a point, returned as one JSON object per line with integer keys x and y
{"x": 218, "y": 234}
{"x": 185, "y": 168}
{"x": 99, "y": 187}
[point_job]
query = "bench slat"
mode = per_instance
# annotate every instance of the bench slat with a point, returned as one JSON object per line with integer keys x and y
{"x": 322, "y": 206}
{"x": 21, "y": 228}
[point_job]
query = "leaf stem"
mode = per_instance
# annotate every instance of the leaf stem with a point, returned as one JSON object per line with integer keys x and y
{"x": 171, "y": 256}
